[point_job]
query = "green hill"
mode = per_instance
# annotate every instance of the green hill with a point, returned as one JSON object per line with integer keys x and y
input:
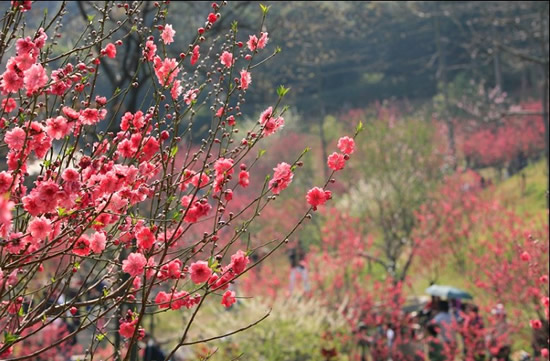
{"x": 525, "y": 192}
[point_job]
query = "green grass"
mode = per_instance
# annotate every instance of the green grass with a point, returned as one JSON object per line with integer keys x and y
{"x": 525, "y": 194}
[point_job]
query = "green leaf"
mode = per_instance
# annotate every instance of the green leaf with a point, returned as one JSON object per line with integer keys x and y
{"x": 105, "y": 292}
{"x": 91, "y": 18}
{"x": 359, "y": 127}
{"x": 265, "y": 9}
{"x": 10, "y": 338}
{"x": 61, "y": 211}
{"x": 100, "y": 337}
{"x": 261, "y": 152}
{"x": 117, "y": 90}
{"x": 281, "y": 91}
{"x": 215, "y": 265}
{"x": 133, "y": 29}
{"x": 278, "y": 50}
{"x": 46, "y": 12}
{"x": 173, "y": 151}
{"x": 47, "y": 163}
{"x": 21, "y": 312}
{"x": 234, "y": 25}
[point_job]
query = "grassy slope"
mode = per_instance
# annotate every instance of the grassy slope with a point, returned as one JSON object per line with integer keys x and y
{"x": 526, "y": 193}
{"x": 530, "y": 202}
{"x": 533, "y": 199}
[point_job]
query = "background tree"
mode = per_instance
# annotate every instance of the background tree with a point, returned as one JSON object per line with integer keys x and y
{"x": 399, "y": 167}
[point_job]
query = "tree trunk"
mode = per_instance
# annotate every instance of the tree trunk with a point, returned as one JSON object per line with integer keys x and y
{"x": 324, "y": 144}
{"x": 497, "y": 66}
{"x": 498, "y": 71}
{"x": 546, "y": 125}
{"x": 524, "y": 84}
{"x": 119, "y": 313}
{"x": 322, "y": 115}
{"x": 443, "y": 82}
{"x": 134, "y": 352}
{"x": 544, "y": 93}
{"x": 117, "y": 341}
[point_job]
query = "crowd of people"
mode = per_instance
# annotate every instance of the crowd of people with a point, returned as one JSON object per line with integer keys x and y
{"x": 444, "y": 330}
{"x": 453, "y": 324}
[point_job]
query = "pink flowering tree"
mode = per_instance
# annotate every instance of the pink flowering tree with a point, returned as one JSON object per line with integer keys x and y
{"x": 502, "y": 255}
{"x": 510, "y": 267}
{"x": 518, "y": 138}
{"x": 101, "y": 230}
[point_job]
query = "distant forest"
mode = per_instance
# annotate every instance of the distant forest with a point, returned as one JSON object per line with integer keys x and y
{"x": 344, "y": 55}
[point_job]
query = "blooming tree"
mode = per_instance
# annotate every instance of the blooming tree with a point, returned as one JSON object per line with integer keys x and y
{"x": 502, "y": 255}
{"x": 100, "y": 230}
{"x": 493, "y": 144}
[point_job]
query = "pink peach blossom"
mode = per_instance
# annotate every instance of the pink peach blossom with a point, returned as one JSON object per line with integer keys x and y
{"x": 168, "y": 34}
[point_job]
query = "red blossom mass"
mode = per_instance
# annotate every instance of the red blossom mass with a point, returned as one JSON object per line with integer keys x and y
{"x": 111, "y": 208}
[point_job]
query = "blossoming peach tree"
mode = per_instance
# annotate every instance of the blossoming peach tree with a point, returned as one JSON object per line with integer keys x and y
{"x": 99, "y": 230}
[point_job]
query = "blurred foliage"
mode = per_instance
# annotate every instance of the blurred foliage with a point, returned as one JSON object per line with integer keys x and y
{"x": 343, "y": 55}
{"x": 399, "y": 166}
{"x": 469, "y": 99}
{"x": 297, "y": 329}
